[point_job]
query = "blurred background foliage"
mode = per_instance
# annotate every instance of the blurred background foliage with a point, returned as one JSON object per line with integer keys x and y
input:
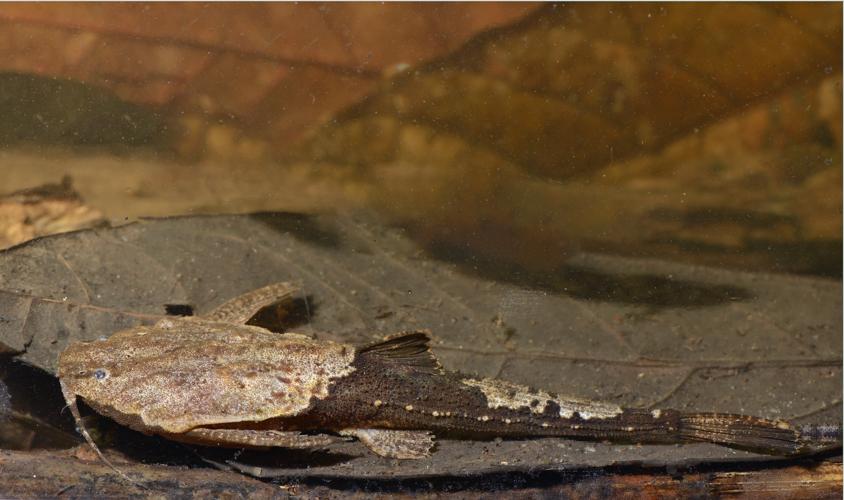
{"x": 510, "y": 136}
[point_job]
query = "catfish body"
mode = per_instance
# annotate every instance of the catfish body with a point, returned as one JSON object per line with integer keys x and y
{"x": 214, "y": 380}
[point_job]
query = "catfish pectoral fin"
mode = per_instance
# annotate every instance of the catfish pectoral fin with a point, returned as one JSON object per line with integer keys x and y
{"x": 251, "y": 438}
{"x": 394, "y": 443}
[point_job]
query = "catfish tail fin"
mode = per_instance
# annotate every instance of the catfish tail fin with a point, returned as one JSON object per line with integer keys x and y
{"x": 819, "y": 437}
{"x": 756, "y": 434}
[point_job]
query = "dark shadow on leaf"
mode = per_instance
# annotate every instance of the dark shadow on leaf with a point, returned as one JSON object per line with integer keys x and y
{"x": 649, "y": 290}
{"x": 644, "y": 289}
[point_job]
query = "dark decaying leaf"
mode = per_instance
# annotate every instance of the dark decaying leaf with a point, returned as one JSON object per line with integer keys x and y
{"x": 761, "y": 344}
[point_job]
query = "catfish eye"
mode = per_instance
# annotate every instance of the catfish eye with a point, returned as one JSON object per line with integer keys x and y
{"x": 100, "y": 374}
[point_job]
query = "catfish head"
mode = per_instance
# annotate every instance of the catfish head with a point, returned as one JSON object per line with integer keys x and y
{"x": 186, "y": 372}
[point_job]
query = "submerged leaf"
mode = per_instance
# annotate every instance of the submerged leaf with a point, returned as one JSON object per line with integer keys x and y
{"x": 729, "y": 342}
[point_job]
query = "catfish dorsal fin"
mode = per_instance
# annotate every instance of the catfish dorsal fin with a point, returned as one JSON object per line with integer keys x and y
{"x": 406, "y": 348}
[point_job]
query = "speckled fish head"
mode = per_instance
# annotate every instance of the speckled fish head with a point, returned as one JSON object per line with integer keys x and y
{"x": 184, "y": 373}
{"x": 85, "y": 367}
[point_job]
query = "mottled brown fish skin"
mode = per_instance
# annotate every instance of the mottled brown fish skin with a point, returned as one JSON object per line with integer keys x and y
{"x": 379, "y": 394}
{"x": 189, "y": 372}
{"x": 382, "y": 394}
